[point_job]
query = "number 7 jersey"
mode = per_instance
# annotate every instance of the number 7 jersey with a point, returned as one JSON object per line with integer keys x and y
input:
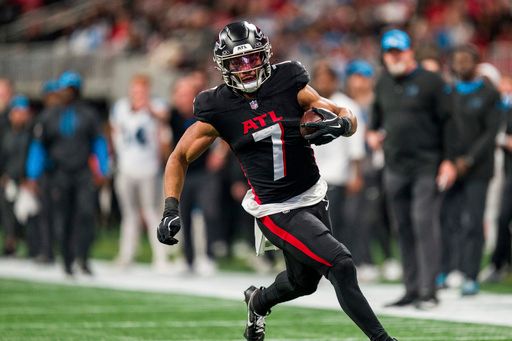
{"x": 263, "y": 132}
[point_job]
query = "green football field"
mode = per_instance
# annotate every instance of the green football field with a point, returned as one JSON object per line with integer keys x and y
{"x": 33, "y": 311}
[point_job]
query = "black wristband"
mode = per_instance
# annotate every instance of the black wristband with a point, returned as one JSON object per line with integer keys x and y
{"x": 171, "y": 205}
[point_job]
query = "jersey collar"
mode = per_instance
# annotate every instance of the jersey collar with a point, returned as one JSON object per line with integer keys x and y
{"x": 469, "y": 87}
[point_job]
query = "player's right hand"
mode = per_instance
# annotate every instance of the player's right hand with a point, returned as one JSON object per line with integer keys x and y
{"x": 330, "y": 127}
{"x": 170, "y": 224}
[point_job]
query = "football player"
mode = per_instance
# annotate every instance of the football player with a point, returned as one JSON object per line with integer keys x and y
{"x": 257, "y": 112}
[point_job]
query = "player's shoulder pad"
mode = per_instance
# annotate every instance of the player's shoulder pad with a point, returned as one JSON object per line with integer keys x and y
{"x": 290, "y": 73}
{"x": 206, "y": 103}
{"x": 289, "y": 64}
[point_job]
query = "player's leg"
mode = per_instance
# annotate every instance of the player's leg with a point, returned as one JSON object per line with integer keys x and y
{"x": 304, "y": 235}
{"x": 501, "y": 255}
{"x": 399, "y": 197}
{"x": 450, "y": 215}
{"x": 126, "y": 191}
{"x": 149, "y": 197}
{"x": 187, "y": 202}
{"x": 425, "y": 213}
{"x": 62, "y": 211}
{"x": 45, "y": 221}
{"x": 84, "y": 218}
{"x": 297, "y": 280}
{"x": 210, "y": 202}
{"x": 472, "y": 231}
{"x": 8, "y": 221}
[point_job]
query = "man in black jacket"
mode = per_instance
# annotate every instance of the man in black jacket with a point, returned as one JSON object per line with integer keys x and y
{"x": 476, "y": 116}
{"x": 14, "y": 144}
{"x": 67, "y": 136}
{"x": 410, "y": 120}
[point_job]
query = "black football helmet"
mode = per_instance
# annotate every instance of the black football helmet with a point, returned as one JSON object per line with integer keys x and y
{"x": 242, "y": 53}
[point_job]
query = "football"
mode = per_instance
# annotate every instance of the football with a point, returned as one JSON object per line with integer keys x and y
{"x": 309, "y": 116}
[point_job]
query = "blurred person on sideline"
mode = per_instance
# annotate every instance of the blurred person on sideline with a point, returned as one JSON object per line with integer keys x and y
{"x": 429, "y": 59}
{"x": 359, "y": 85}
{"x": 489, "y": 72}
{"x": 14, "y": 144}
{"x": 375, "y": 224}
{"x": 501, "y": 255}
{"x": 50, "y": 93}
{"x": 411, "y": 121}
{"x": 6, "y": 95}
{"x": 201, "y": 187}
{"x": 339, "y": 163}
{"x": 51, "y": 99}
{"x": 257, "y": 111}
{"x": 476, "y": 117}
{"x": 66, "y": 136}
{"x": 139, "y": 141}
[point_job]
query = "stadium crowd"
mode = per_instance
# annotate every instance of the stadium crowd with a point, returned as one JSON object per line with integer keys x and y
{"x": 175, "y": 32}
{"x": 54, "y": 162}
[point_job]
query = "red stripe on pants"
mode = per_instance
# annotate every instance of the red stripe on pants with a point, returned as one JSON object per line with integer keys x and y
{"x": 286, "y": 236}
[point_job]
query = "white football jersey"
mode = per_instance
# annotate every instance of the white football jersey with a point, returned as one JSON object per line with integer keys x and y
{"x": 334, "y": 158}
{"x": 135, "y": 137}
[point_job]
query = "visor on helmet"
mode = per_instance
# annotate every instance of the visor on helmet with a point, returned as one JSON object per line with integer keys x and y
{"x": 244, "y": 63}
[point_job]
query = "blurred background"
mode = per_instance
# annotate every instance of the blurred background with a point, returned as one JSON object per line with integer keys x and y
{"x": 107, "y": 42}
{"x": 159, "y": 52}
{"x": 95, "y": 94}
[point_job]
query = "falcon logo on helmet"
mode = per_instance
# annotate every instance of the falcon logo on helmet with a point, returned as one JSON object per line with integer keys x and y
{"x": 242, "y": 53}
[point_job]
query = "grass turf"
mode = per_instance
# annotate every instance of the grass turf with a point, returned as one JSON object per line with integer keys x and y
{"x": 34, "y": 311}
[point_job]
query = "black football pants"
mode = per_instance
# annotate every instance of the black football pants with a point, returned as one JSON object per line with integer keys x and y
{"x": 74, "y": 207}
{"x": 311, "y": 251}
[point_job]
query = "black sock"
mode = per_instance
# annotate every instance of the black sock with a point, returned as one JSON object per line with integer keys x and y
{"x": 279, "y": 291}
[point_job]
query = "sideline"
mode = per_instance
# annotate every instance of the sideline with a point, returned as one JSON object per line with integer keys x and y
{"x": 485, "y": 308}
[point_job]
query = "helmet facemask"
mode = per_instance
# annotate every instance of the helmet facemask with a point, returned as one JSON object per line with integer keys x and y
{"x": 246, "y": 72}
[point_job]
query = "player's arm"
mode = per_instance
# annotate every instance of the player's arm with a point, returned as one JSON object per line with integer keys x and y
{"x": 192, "y": 144}
{"x": 309, "y": 98}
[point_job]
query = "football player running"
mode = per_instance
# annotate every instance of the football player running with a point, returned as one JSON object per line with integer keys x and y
{"x": 257, "y": 112}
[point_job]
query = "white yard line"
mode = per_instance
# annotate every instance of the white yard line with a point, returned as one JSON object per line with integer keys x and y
{"x": 484, "y": 308}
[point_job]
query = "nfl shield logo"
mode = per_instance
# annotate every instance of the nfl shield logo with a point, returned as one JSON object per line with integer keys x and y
{"x": 254, "y": 104}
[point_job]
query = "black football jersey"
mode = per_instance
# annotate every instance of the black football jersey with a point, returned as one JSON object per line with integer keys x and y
{"x": 264, "y": 133}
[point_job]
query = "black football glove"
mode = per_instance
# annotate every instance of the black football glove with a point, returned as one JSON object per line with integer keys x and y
{"x": 170, "y": 223}
{"x": 331, "y": 127}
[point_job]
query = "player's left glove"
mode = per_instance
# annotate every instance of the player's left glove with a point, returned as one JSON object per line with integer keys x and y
{"x": 329, "y": 128}
{"x": 170, "y": 223}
